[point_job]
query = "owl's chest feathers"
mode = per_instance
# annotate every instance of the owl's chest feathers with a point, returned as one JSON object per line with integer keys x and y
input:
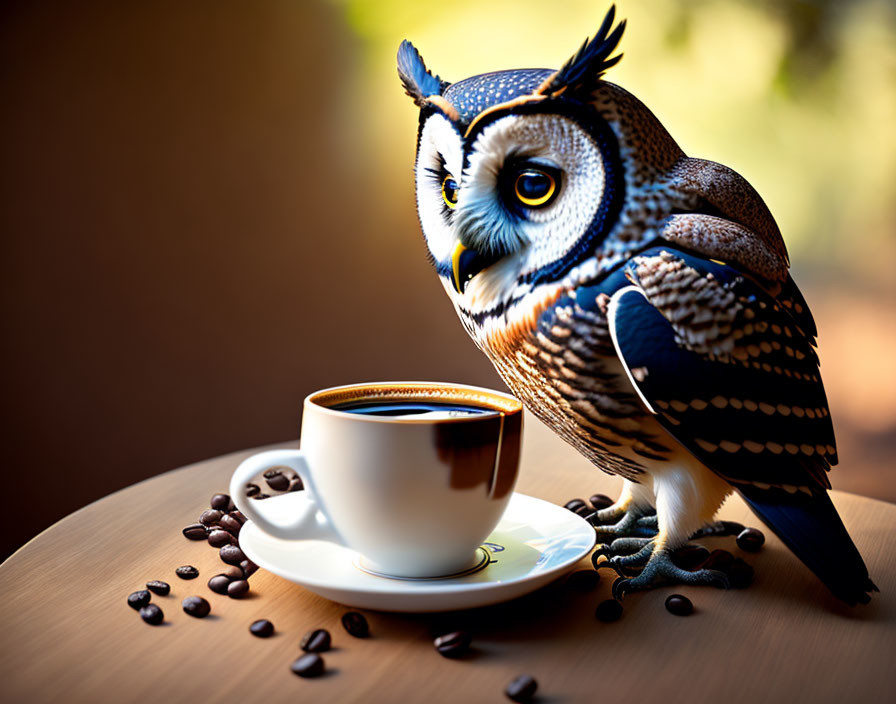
{"x": 558, "y": 358}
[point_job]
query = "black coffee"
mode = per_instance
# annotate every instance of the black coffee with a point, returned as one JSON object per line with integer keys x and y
{"x": 412, "y": 409}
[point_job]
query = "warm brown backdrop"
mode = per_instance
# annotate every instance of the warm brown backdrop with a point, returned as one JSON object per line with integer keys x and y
{"x": 195, "y": 236}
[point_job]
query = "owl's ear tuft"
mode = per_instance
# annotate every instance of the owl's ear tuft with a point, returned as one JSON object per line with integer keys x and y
{"x": 418, "y": 81}
{"x": 580, "y": 75}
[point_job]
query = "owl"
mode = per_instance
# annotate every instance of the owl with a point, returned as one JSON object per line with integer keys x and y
{"x": 637, "y": 301}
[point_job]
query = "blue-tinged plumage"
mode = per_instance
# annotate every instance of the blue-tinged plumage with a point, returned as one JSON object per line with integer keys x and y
{"x": 643, "y": 309}
{"x": 810, "y": 526}
{"x": 473, "y": 95}
{"x": 419, "y": 83}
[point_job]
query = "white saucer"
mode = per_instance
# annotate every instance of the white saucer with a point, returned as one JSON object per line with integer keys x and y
{"x": 534, "y": 543}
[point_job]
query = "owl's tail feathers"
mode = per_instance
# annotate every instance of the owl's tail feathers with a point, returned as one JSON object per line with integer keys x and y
{"x": 811, "y": 527}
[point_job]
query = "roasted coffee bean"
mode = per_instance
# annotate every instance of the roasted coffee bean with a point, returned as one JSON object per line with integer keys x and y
{"x": 309, "y": 665}
{"x": 187, "y": 572}
{"x": 584, "y": 511}
{"x": 583, "y": 580}
{"x": 237, "y": 589}
{"x": 219, "y": 583}
{"x": 260, "y": 496}
{"x": 355, "y": 624}
{"x": 230, "y": 524}
{"x": 521, "y": 689}
{"x": 219, "y": 537}
{"x": 195, "y": 531}
{"x": 196, "y": 606}
{"x": 152, "y": 614}
{"x": 158, "y": 587}
{"x": 234, "y": 572}
{"x": 238, "y": 516}
{"x": 220, "y": 502}
{"x": 252, "y": 489}
{"x": 452, "y": 645}
{"x": 679, "y": 605}
{"x": 249, "y": 568}
{"x": 296, "y": 484}
{"x": 210, "y": 517}
{"x": 316, "y": 641}
{"x": 740, "y": 574}
{"x": 138, "y": 600}
{"x": 262, "y": 628}
{"x": 608, "y": 611}
{"x": 720, "y": 560}
{"x": 574, "y": 504}
{"x": 277, "y": 482}
{"x": 231, "y": 554}
{"x": 750, "y": 540}
{"x": 690, "y": 557}
{"x": 600, "y": 501}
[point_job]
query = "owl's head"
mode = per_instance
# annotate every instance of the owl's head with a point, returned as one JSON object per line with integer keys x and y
{"x": 518, "y": 172}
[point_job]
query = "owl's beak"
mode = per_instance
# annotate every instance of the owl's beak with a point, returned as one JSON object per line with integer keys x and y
{"x": 466, "y": 263}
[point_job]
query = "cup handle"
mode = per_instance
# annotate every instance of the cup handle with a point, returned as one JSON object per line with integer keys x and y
{"x": 311, "y": 524}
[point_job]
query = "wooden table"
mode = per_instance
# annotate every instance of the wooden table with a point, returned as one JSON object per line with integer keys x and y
{"x": 69, "y": 636}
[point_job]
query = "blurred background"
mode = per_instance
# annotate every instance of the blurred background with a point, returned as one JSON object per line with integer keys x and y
{"x": 207, "y": 209}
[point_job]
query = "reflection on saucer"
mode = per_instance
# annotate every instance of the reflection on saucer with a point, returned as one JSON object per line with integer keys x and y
{"x": 480, "y": 562}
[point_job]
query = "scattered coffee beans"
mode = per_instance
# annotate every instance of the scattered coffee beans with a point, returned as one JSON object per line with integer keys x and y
{"x": 355, "y": 624}
{"x": 158, "y": 587}
{"x": 219, "y": 538}
{"x": 231, "y": 554}
{"x": 600, "y": 501}
{"x": 234, "y": 572}
{"x": 230, "y": 524}
{"x": 740, "y": 574}
{"x": 583, "y": 580}
{"x": 584, "y": 511}
{"x": 316, "y": 641}
{"x": 608, "y": 611}
{"x": 187, "y": 572}
{"x": 309, "y": 665}
{"x": 219, "y": 583}
{"x": 252, "y": 489}
{"x": 690, "y": 557}
{"x": 196, "y": 606}
{"x": 262, "y": 628}
{"x": 152, "y": 614}
{"x": 296, "y": 484}
{"x": 679, "y": 605}
{"x": 210, "y": 517}
{"x": 238, "y": 516}
{"x": 750, "y": 540}
{"x": 276, "y": 480}
{"x": 720, "y": 560}
{"x": 138, "y": 600}
{"x": 574, "y": 504}
{"x": 220, "y": 502}
{"x": 521, "y": 689}
{"x": 452, "y": 645}
{"x": 195, "y": 531}
{"x": 262, "y": 495}
{"x": 249, "y": 568}
{"x": 237, "y": 589}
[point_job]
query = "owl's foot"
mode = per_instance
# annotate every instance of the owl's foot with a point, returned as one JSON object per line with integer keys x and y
{"x": 630, "y": 523}
{"x": 661, "y": 571}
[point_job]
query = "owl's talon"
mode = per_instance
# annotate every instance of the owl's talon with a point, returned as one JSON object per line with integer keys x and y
{"x": 620, "y": 588}
{"x": 609, "y": 563}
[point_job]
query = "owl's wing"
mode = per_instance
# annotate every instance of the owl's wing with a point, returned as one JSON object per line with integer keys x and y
{"x": 730, "y": 371}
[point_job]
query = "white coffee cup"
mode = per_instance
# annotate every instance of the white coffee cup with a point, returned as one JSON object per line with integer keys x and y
{"x": 415, "y": 496}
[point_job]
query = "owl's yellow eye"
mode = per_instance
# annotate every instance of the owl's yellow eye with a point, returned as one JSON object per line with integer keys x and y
{"x": 449, "y": 191}
{"x": 534, "y": 187}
